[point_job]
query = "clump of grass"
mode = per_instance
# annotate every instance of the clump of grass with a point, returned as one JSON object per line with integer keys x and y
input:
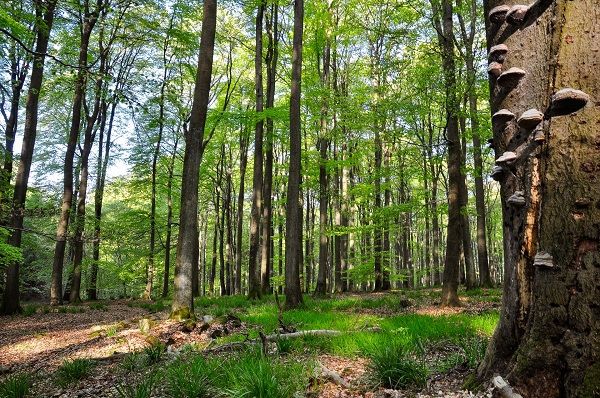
{"x": 252, "y": 375}
{"x": 284, "y": 346}
{"x": 141, "y": 389}
{"x": 193, "y": 379}
{"x": 474, "y": 349}
{"x": 29, "y": 310}
{"x": 98, "y": 306}
{"x": 15, "y": 386}
{"x": 394, "y": 366}
{"x": 73, "y": 370}
{"x": 154, "y": 352}
{"x": 131, "y": 361}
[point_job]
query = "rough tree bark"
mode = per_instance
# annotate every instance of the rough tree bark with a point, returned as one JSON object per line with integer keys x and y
{"x": 187, "y": 242}
{"x": 547, "y": 341}
{"x": 293, "y": 220}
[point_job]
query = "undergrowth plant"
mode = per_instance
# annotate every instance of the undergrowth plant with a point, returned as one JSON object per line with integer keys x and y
{"x": 73, "y": 370}
{"x": 15, "y": 386}
{"x": 394, "y": 366}
{"x": 192, "y": 379}
{"x": 141, "y": 389}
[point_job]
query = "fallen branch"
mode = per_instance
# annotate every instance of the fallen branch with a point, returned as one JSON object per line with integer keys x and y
{"x": 332, "y": 376}
{"x": 503, "y": 388}
{"x": 272, "y": 337}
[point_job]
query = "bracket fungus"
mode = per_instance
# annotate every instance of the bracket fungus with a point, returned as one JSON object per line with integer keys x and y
{"x": 498, "y": 14}
{"x": 543, "y": 259}
{"x": 498, "y": 53}
{"x": 495, "y": 69}
{"x": 567, "y": 101}
{"x": 517, "y": 199}
{"x": 511, "y": 77}
{"x": 530, "y": 119}
{"x": 516, "y": 15}
{"x": 497, "y": 173}
{"x": 502, "y": 117}
{"x": 506, "y": 157}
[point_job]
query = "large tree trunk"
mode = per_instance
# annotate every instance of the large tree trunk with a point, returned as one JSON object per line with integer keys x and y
{"x": 547, "y": 340}
{"x": 254, "y": 277}
{"x": 45, "y": 16}
{"x": 187, "y": 242}
{"x": 293, "y": 221}
{"x": 443, "y": 20}
{"x": 89, "y": 21}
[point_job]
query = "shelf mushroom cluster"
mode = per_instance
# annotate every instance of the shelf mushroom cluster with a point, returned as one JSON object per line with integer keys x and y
{"x": 532, "y": 121}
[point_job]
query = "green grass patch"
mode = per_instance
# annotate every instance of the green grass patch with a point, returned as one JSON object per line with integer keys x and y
{"x": 247, "y": 374}
{"x": 141, "y": 389}
{"x": 73, "y": 370}
{"x": 393, "y": 366}
{"x": 15, "y": 386}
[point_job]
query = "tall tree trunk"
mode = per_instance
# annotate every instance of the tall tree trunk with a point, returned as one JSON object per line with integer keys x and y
{"x": 240, "y": 209}
{"x": 45, "y": 15}
{"x": 468, "y": 41}
{"x": 293, "y": 221}
{"x": 443, "y": 20}
{"x": 89, "y": 21}
{"x": 471, "y": 278}
{"x": 254, "y": 275}
{"x": 169, "y": 227}
{"x": 187, "y": 242}
{"x": 546, "y": 342}
{"x": 266, "y": 257}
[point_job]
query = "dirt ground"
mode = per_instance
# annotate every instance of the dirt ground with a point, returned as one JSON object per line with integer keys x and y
{"x": 39, "y": 343}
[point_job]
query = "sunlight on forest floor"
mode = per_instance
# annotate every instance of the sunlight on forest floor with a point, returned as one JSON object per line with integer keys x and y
{"x": 385, "y": 343}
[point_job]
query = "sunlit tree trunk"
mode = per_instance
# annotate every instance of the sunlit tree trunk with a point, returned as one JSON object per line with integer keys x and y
{"x": 187, "y": 242}
{"x": 44, "y": 12}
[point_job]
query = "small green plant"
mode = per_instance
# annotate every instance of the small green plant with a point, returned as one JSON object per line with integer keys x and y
{"x": 29, "y": 310}
{"x": 15, "y": 386}
{"x": 131, "y": 361}
{"x": 193, "y": 379}
{"x": 141, "y": 389}
{"x": 98, "y": 306}
{"x": 284, "y": 346}
{"x": 393, "y": 366}
{"x": 474, "y": 349}
{"x": 154, "y": 352}
{"x": 252, "y": 375}
{"x": 73, "y": 370}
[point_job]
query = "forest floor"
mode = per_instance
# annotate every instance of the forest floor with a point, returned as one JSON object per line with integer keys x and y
{"x": 396, "y": 344}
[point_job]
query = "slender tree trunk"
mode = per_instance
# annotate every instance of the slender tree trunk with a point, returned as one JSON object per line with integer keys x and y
{"x": 266, "y": 257}
{"x": 45, "y": 16}
{"x": 443, "y": 20}
{"x": 254, "y": 274}
{"x": 187, "y": 242}
{"x": 240, "y": 209}
{"x": 293, "y": 221}
{"x": 90, "y": 19}
{"x": 169, "y": 227}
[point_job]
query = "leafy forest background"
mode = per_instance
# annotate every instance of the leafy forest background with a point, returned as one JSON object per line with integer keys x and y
{"x": 374, "y": 155}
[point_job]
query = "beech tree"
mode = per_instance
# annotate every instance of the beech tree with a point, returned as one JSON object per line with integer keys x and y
{"x": 44, "y": 12}
{"x": 187, "y": 243}
{"x": 543, "y": 79}
{"x": 293, "y": 213}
